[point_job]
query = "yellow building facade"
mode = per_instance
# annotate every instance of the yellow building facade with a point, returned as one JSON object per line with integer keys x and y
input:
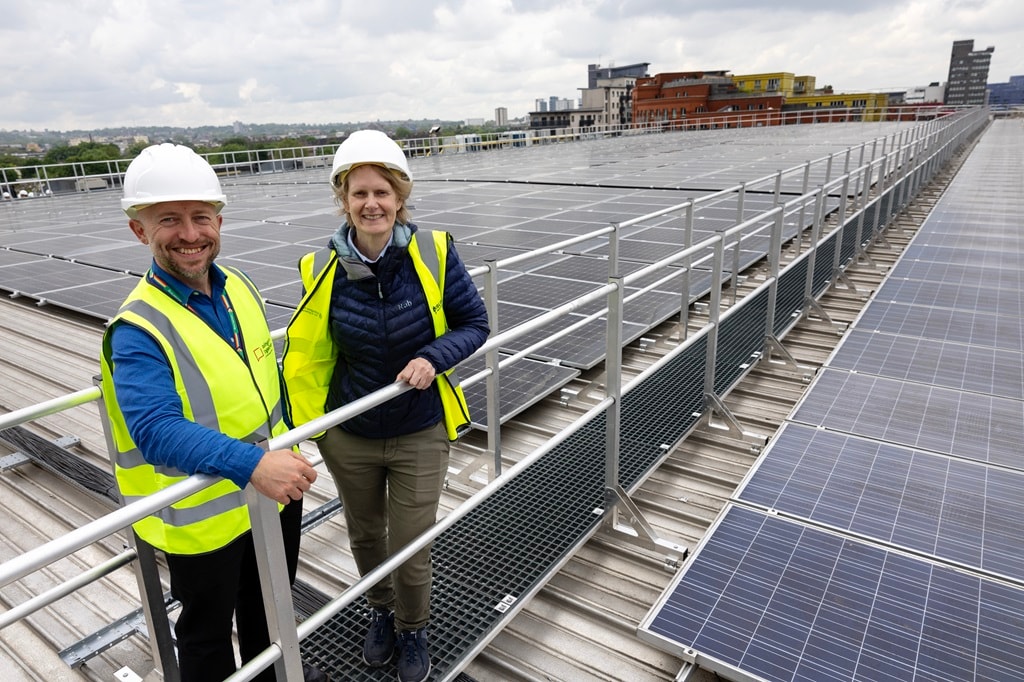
{"x": 801, "y": 94}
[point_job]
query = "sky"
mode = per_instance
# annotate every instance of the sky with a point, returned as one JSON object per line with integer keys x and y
{"x": 92, "y": 64}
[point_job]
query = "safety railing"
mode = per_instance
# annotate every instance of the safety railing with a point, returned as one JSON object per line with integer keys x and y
{"x": 47, "y": 180}
{"x": 860, "y": 201}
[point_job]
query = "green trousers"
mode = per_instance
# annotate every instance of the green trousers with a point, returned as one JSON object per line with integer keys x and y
{"x": 389, "y": 489}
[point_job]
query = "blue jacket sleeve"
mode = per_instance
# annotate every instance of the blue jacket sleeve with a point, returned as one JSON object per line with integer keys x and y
{"x": 154, "y": 415}
{"x": 465, "y": 314}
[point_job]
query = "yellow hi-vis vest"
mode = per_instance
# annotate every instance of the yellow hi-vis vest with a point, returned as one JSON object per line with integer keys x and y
{"x": 217, "y": 390}
{"x": 310, "y": 355}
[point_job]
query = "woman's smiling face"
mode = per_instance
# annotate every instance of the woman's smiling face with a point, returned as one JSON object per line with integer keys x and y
{"x": 371, "y": 203}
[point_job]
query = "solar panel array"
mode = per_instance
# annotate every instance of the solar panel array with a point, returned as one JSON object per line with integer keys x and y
{"x": 879, "y": 535}
{"x": 76, "y": 253}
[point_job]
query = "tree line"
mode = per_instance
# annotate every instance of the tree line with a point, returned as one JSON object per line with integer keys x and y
{"x": 96, "y": 158}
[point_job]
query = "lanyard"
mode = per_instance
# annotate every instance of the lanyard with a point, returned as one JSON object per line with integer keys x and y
{"x": 236, "y": 332}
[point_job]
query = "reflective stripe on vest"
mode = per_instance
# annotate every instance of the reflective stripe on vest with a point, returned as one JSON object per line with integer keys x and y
{"x": 211, "y": 381}
{"x": 310, "y": 355}
{"x": 431, "y": 265}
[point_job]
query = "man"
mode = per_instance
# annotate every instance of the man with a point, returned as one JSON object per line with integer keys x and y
{"x": 191, "y": 384}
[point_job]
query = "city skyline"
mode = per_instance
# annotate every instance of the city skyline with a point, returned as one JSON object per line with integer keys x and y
{"x": 94, "y": 66}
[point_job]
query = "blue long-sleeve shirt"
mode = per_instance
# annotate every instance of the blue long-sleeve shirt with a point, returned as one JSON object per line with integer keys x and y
{"x": 151, "y": 407}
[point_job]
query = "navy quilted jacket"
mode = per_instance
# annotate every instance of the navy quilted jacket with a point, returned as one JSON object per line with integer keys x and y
{"x": 380, "y": 322}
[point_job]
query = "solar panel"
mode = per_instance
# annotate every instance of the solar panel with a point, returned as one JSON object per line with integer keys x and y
{"x": 50, "y": 274}
{"x": 878, "y": 535}
{"x": 955, "y": 510}
{"x": 582, "y": 348}
{"x": 981, "y": 297}
{"x": 542, "y": 292}
{"x": 520, "y": 385}
{"x": 945, "y": 324}
{"x": 519, "y": 239}
{"x": 953, "y": 273}
{"x": 99, "y": 299}
{"x": 978, "y": 258}
{"x": 784, "y": 601}
{"x": 265, "y": 275}
{"x": 58, "y": 245}
{"x": 9, "y": 257}
{"x": 969, "y": 425}
{"x": 134, "y": 258}
{"x": 953, "y": 365}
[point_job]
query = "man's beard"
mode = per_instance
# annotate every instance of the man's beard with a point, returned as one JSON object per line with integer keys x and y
{"x": 171, "y": 266}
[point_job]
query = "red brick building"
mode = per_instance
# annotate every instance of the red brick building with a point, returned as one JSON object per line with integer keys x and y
{"x": 701, "y": 98}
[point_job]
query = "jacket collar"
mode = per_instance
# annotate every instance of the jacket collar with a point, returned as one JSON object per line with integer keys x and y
{"x": 401, "y": 235}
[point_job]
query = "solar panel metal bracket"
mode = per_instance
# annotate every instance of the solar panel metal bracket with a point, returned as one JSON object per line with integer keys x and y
{"x": 617, "y": 498}
{"x": 13, "y": 461}
{"x": 813, "y": 311}
{"x": 728, "y": 423}
{"x": 777, "y": 354}
{"x": 839, "y": 277}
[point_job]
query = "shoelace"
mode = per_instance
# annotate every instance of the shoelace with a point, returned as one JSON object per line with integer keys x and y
{"x": 409, "y": 647}
{"x": 379, "y": 623}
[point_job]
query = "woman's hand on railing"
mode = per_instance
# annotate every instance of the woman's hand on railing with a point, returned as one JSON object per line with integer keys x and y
{"x": 283, "y": 475}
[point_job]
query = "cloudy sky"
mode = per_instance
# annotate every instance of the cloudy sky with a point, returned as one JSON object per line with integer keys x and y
{"x": 102, "y": 63}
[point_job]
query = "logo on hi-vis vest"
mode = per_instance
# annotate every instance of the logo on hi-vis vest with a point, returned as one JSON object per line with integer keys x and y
{"x": 267, "y": 349}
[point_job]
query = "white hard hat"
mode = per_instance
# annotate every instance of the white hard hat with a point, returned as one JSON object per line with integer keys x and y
{"x": 368, "y": 147}
{"x": 169, "y": 172}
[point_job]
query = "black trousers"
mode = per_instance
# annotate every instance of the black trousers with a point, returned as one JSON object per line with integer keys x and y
{"x": 215, "y": 586}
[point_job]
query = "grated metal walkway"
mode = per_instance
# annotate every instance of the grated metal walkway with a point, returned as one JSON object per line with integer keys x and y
{"x": 508, "y": 545}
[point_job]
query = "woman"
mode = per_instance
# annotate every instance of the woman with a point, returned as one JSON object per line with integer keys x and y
{"x": 368, "y": 318}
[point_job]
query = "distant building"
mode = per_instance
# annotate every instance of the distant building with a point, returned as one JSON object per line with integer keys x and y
{"x": 501, "y": 117}
{"x": 609, "y": 103}
{"x": 933, "y": 93}
{"x": 550, "y": 120}
{"x": 968, "y": 73}
{"x": 606, "y": 102}
{"x": 800, "y": 93}
{"x": 687, "y": 97}
{"x": 1009, "y": 94}
{"x": 596, "y": 72}
{"x": 780, "y": 83}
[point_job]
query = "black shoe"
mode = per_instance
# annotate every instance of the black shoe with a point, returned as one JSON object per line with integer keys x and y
{"x": 413, "y": 658}
{"x": 311, "y": 674}
{"x": 379, "y": 646}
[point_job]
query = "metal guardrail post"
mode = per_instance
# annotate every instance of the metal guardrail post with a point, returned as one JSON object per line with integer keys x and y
{"x": 147, "y": 574}
{"x": 613, "y": 389}
{"x": 687, "y": 264}
{"x": 492, "y": 360}
{"x": 277, "y": 592}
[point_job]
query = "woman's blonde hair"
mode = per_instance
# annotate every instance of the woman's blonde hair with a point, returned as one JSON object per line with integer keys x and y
{"x": 399, "y": 183}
